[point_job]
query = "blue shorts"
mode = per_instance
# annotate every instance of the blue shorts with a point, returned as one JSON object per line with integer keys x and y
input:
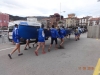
{"x": 16, "y": 40}
{"x": 79, "y": 33}
{"x": 41, "y": 40}
{"x": 76, "y": 34}
{"x": 61, "y": 37}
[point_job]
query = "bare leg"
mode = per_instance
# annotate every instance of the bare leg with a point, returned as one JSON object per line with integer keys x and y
{"x": 76, "y": 37}
{"x": 17, "y": 45}
{"x": 25, "y": 46}
{"x": 39, "y": 44}
{"x": 18, "y": 48}
{"x": 28, "y": 43}
{"x": 36, "y": 51}
{"x": 43, "y": 44}
{"x": 49, "y": 48}
{"x": 13, "y": 51}
{"x": 62, "y": 41}
{"x": 56, "y": 46}
{"x": 79, "y": 36}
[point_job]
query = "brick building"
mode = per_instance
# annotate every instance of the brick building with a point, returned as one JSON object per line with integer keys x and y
{"x": 54, "y": 19}
{"x": 4, "y": 20}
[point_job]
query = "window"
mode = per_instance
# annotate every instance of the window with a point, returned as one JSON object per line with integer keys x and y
{"x": 11, "y": 28}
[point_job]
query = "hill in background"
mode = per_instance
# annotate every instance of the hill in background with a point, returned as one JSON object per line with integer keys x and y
{"x": 11, "y": 17}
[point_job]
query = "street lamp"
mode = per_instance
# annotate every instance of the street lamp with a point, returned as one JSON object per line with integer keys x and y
{"x": 60, "y": 11}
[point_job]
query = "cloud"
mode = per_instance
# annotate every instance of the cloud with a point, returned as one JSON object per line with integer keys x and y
{"x": 48, "y": 7}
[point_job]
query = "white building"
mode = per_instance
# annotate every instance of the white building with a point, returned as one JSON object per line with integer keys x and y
{"x": 94, "y": 21}
{"x": 31, "y": 19}
{"x": 71, "y": 22}
{"x": 84, "y": 21}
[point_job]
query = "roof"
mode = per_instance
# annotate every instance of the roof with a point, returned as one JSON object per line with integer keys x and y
{"x": 94, "y": 19}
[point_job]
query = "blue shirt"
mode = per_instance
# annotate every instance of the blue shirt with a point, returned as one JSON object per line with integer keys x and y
{"x": 41, "y": 35}
{"x": 62, "y": 32}
{"x": 79, "y": 30}
{"x": 15, "y": 33}
{"x": 54, "y": 33}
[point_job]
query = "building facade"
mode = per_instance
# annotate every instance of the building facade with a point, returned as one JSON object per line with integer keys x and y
{"x": 84, "y": 21}
{"x": 55, "y": 19}
{"x": 94, "y": 21}
{"x": 71, "y": 15}
{"x": 4, "y": 20}
{"x": 45, "y": 22}
{"x": 72, "y": 21}
{"x": 31, "y": 19}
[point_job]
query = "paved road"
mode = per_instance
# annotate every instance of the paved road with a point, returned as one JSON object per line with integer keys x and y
{"x": 5, "y": 39}
{"x": 69, "y": 61}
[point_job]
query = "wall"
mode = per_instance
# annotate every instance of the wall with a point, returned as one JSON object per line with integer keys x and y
{"x": 4, "y": 19}
{"x": 93, "y": 32}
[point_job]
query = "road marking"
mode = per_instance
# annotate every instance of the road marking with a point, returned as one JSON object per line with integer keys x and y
{"x": 97, "y": 68}
{"x": 6, "y": 49}
{"x": 10, "y": 48}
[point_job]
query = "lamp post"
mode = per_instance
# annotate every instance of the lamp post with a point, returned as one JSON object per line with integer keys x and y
{"x": 60, "y": 11}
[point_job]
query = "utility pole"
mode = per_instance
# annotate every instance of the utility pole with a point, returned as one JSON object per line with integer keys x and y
{"x": 60, "y": 11}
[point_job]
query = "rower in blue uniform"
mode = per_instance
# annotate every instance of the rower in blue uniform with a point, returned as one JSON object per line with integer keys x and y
{"x": 62, "y": 34}
{"x": 16, "y": 39}
{"x": 41, "y": 40}
{"x": 54, "y": 35}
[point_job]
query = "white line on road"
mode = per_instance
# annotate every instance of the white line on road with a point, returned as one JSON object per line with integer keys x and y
{"x": 10, "y": 48}
{"x": 6, "y": 49}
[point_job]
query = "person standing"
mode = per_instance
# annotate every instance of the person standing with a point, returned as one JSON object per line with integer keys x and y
{"x": 41, "y": 40}
{"x": 54, "y": 35}
{"x": 16, "y": 39}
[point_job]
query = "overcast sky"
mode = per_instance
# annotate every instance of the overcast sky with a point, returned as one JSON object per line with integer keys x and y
{"x": 48, "y": 7}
